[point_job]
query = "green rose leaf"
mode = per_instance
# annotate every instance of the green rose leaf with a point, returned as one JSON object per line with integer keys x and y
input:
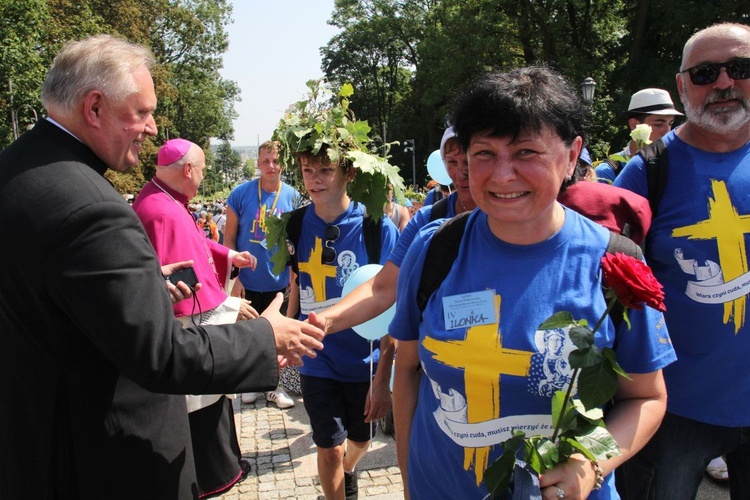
{"x": 568, "y": 420}
{"x": 582, "y": 336}
{"x": 582, "y": 358}
{"x": 572, "y": 446}
{"x": 625, "y": 317}
{"x": 596, "y": 385}
{"x": 498, "y": 476}
{"x": 515, "y": 442}
{"x": 609, "y": 355}
{"x": 597, "y": 441}
{"x": 591, "y": 415}
{"x": 541, "y": 454}
{"x": 561, "y": 319}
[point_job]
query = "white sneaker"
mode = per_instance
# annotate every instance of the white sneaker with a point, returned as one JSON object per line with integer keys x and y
{"x": 280, "y": 397}
{"x": 249, "y": 397}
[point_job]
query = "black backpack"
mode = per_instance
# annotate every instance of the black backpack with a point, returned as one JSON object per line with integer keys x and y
{"x": 439, "y": 210}
{"x": 443, "y": 250}
{"x": 656, "y": 158}
{"x": 370, "y": 230}
{"x": 616, "y": 165}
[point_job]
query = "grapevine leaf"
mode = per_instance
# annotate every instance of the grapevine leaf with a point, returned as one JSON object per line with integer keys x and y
{"x": 346, "y": 90}
{"x": 276, "y": 241}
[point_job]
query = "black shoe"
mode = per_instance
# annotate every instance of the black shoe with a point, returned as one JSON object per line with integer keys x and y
{"x": 350, "y": 485}
{"x": 245, "y": 467}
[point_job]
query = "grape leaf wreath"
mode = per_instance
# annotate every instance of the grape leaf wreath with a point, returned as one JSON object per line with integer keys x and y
{"x": 324, "y": 122}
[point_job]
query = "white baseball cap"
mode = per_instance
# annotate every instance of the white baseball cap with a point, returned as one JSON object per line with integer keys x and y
{"x": 448, "y": 134}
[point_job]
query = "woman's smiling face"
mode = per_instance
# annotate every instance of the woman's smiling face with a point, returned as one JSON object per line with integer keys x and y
{"x": 515, "y": 181}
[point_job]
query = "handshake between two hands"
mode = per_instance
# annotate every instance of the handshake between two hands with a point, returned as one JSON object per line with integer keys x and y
{"x": 294, "y": 339}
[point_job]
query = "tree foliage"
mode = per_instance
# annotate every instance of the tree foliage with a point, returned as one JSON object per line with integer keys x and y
{"x": 228, "y": 164}
{"x": 188, "y": 38}
{"x": 423, "y": 51}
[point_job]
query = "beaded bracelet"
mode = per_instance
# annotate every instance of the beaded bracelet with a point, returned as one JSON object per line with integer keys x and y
{"x": 599, "y": 475}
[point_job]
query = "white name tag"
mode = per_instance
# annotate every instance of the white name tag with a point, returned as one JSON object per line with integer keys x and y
{"x": 469, "y": 309}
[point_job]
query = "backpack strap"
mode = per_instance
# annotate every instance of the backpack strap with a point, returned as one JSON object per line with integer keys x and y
{"x": 621, "y": 244}
{"x": 371, "y": 230}
{"x": 441, "y": 253}
{"x": 439, "y": 210}
{"x": 655, "y": 157}
{"x": 615, "y": 165}
{"x": 293, "y": 232}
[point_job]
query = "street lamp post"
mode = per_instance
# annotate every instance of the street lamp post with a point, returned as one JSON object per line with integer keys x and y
{"x": 413, "y": 160}
{"x": 14, "y": 119}
{"x": 14, "y": 113}
{"x": 588, "y": 87}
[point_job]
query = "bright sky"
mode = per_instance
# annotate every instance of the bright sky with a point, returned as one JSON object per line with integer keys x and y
{"x": 274, "y": 48}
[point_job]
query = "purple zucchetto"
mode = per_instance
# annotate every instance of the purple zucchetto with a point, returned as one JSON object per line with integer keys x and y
{"x": 172, "y": 150}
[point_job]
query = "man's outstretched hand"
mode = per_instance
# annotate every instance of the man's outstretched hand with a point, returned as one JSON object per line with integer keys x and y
{"x": 294, "y": 339}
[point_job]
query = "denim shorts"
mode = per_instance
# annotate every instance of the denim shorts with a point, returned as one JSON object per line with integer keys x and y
{"x": 336, "y": 410}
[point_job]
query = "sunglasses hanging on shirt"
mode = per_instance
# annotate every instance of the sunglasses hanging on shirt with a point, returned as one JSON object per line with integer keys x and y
{"x": 329, "y": 253}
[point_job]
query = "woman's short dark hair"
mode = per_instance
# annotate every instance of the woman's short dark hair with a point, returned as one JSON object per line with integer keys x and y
{"x": 504, "y": 104}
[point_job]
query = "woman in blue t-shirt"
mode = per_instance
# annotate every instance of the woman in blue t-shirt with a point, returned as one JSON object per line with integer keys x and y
{"x": 474, "y": 365}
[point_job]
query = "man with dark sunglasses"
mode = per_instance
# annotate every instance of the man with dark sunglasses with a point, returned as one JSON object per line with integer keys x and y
{"x": 697, "y": 247}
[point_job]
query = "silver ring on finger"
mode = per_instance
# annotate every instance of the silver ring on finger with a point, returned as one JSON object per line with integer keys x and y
{"x": 560, "y": 492}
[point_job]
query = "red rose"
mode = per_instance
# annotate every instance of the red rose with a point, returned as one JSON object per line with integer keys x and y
{"x": 632, "y": 281}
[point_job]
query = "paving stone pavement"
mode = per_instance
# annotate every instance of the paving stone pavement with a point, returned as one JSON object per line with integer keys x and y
{"x": 278, "y": 444}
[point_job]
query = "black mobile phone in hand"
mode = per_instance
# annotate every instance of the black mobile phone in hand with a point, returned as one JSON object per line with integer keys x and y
{"x": 186, "y": 275}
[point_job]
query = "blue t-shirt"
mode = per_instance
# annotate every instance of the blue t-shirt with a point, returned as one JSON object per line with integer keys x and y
{"x": 511, "y": 367}
{"x": 420, "y": 219}
{"x": 429, "y": 199}
{"x": 251, "y": 231}
{"x": 697, "y": 247}
{"x": 604, "y": 171}
{"x": 345, "y": 355}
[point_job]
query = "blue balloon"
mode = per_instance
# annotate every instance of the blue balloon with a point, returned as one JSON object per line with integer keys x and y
{"x": 377, "y": 327}
{"x": 436, "y": 168}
